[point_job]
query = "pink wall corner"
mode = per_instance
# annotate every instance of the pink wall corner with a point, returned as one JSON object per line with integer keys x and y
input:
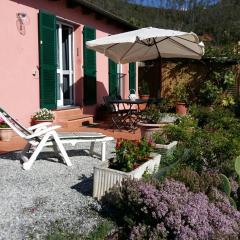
{"x": 125, "y": 68}
{"x": 102, "y": 72}
{"x": 78, "y": 65}
{"x": 19, "y": 91}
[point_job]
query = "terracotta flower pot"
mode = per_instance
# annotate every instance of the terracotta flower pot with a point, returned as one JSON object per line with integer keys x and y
{"x": 37, "y": 121}
{"x": 6, "y": 134}
{"x": 147, "y": 129}
{"x": 144, "y": 97}
{"x": 143, "y": 105}
{"x": 181, "y": 108}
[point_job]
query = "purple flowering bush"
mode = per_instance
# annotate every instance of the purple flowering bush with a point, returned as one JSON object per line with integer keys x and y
{"x": 168, "y": 210}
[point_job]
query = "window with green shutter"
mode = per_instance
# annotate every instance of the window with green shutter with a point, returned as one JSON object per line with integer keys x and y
{"x": 47, "y": 54}
{"x": 113, "y": 78}
{"x": 132, "y": 76}
{"x": 89, "y": 65}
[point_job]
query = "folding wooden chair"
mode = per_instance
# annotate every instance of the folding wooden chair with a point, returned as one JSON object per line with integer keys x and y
{"x": 118, "y": 115}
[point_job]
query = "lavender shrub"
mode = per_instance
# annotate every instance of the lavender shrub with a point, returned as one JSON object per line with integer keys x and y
{"x": 168, "y": 210}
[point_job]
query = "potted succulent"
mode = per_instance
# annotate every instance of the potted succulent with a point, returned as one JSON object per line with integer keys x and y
{"x": 132, "y": 160}
{"x": 153, "y": 120}
{"x": 6, "y": 132}
{"x": 43, "y": 115}
{"x": 181, "y": 98}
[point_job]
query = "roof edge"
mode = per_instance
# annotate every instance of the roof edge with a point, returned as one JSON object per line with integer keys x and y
{"x": 102, "y": 12}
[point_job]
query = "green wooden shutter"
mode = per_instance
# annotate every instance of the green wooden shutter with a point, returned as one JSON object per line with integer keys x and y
{"x": 89, "y": 64}
{"x": 48, "y": 66}
{"x": 132, "y": 76}
{"x": 112, "y": 68}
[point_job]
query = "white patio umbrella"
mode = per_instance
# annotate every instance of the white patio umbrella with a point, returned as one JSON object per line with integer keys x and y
{"x": 148, "y": 43}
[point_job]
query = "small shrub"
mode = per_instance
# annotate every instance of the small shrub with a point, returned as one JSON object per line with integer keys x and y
{"x": 214, "y": 151}
{"x": 208, "y": 93}
{"x": 181, "y": 93}
{"x": 219, "y": 118}
{"x": 181, "y": 130}
{"x": 125, "y": 156}
{"x": 44, "y": 114}
{"x": 177, "y": 133}
{"x": 168, "y": 210}
{"x": 143, "y": 149}
{"x": 151, "y": 114}
{"x": 159, "y": 137}
{"x": 130, "y": 153}
{"x": 166, "y": 106}
{"x": 201, "y": 182}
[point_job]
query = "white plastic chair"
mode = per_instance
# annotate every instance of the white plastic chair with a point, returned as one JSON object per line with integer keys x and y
{"x": 38, "y": 136}
{"x": 44, "y": 134}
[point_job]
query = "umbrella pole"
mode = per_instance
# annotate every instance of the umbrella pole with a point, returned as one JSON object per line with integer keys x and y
{"x": 159, "y": 86}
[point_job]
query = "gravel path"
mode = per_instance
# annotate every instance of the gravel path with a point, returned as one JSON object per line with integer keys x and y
{"x": 31, "y": 201}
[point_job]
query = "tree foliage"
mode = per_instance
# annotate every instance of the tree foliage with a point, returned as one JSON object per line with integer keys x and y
{"x": 217, "y": 18}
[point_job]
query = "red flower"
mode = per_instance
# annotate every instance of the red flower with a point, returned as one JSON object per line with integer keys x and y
{"x": 150, "y": 142}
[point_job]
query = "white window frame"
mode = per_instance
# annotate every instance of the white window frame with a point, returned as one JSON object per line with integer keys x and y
{"x": 60, "y": 71}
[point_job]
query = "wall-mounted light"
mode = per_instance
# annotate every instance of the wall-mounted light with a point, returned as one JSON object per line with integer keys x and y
{"x": 22, "y": 21}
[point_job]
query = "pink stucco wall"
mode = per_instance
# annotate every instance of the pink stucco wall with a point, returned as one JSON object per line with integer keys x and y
{"x": 19, "y": 62}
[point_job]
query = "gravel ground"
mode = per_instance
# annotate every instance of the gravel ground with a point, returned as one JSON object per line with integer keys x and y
{"x": 31, "y": 202}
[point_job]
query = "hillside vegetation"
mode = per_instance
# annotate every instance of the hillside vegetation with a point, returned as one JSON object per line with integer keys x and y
{"x": 220, "y": 20}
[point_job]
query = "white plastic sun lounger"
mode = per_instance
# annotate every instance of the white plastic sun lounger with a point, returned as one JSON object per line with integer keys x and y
{"x": 83, "y": 137}
{"x": 44, "y": 134}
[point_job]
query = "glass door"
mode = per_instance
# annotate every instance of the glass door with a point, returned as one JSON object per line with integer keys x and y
{"x": 64, "y": 65}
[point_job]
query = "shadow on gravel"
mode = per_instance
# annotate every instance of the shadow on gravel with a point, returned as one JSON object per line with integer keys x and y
{"x": 77, "y": 152}
{"x": 46, "y": 155}
{"x": 85, "y": 185}
{"x": 10, "y": 156}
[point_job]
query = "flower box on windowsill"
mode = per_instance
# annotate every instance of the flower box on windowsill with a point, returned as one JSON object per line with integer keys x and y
{"x": 105, "y": 178}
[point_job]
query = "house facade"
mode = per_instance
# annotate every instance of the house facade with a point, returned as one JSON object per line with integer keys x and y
{"x": 45, "y": 62}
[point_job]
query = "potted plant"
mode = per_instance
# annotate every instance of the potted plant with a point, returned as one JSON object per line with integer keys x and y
{"x": 181, "y": 97}
{"x": 163, "y": 144}
{"x": 43, "y": 115}
{"x": 6, "y": 132}
{"x": 132, "y": 160}
{"x": 153, "y": 120}
{"x": 143, "y": 90}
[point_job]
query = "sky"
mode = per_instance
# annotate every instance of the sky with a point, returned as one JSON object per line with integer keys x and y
{"x": 156, "y": 3}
